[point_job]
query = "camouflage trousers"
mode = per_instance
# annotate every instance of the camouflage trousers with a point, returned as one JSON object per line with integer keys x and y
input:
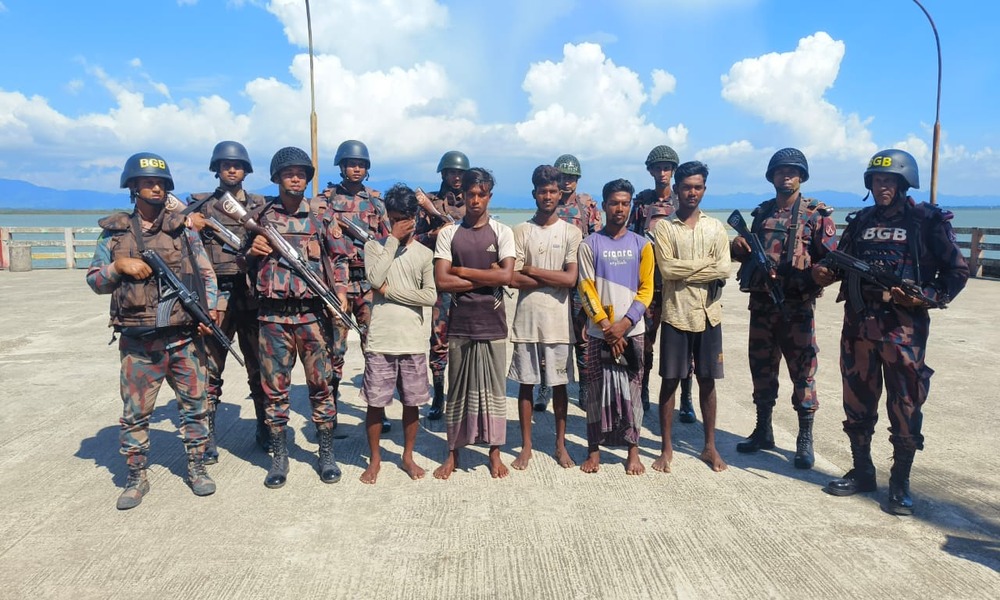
{"x": 146, "y": 362}
{"x": 652, "y": 318}
{"x": 792, "y": 336}
{"x": 865, "y": 365}
{"x": 280, "y": 344}
{"x": 439, "y": 336}
{"x": 242, "y": 323}
{"x": 359, "y": 304}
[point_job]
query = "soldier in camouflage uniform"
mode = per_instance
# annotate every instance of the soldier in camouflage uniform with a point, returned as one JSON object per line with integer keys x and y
{"x": 292, "y": 318}
{"x": 796, "y": 232}
{"x": 649, "y": 207}
{"x": 581, "y": 211}
{"x": 885, "y": 333}
{"x": 436, "y": 211}
{"x": 237, "y": 306}
{"x": 158, "y": 340}
{"x": 352, "y": 200}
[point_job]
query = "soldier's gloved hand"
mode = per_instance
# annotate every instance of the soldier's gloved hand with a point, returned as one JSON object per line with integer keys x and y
{"x": 260, "y": 247}
{"x": 901, "y": 298}
{"x": 133, "y": 267}
{"x": 822, "y": 276}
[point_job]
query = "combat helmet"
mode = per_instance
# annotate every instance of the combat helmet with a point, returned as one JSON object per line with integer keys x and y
{"x": 229, "y": 150}
{"x": 453, "y": 159}
{"x": 146, "y": 164}
{"x": 568, "y": 165}
{"x": 897, "y": 162}
{"x": 352, "y": 149}
{"x": 788, "y": 157}
{"x": 290, "y": 156}
{"x": 663, "y": 153}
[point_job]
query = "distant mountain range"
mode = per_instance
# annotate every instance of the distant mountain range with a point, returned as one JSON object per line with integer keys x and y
{"x": 21, "y": 195}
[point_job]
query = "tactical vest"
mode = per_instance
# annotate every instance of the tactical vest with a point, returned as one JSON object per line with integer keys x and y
{"x": 365, "y": 208}
{"x": 647, "y": 209}
{"x": 224, "y": 262}
{"x": 575, "y": 211}
{"x": 793, "y": 263}
{"x": 305, "y": 234}
{"x": 135, "y": 303}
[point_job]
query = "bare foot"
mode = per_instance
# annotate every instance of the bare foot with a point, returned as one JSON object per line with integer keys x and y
{"x": 592, "y": 464}
{"x": 713, "y": 459}
{"x": 521, "y": 462}
{"x": 497, "y": 469}
{"x": 563, "y": 458}
{"x": 662, "y": 464}
{"x": 634, "y": 466}
{"x": 446, "y": 468}
{"x": 371, "y": 473}
{"x": 412, "y": 469}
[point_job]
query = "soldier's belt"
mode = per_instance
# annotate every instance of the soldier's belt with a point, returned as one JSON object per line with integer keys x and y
{"x": 290, "y": 306}
{"x": 148, "y": 331}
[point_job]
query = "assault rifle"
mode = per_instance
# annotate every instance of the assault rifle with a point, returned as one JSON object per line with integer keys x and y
{"x": 356, "y": 232}
{"x": 841, "y": 261}
{"x": 761, "y": 261}
{"x": 431, "y": 209}
{"x": 290, "y": 256}
{"x": 172, "y": 289}
{"x": 230, "y": 240}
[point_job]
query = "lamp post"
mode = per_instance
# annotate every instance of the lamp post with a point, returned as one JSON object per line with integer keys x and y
{"x": 312, "y": 114}
{"x": 937, "y": 110}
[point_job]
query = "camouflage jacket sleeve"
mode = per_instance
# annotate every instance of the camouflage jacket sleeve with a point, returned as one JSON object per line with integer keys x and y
{"x": 101, "y": 275}
{"x": 951, "y": 271}
{"x": 204, "y": 265}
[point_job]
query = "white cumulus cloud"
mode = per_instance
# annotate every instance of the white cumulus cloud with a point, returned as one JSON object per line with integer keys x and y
{"x": 663, "y": 83}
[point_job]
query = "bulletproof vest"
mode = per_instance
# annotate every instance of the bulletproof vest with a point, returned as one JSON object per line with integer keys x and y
{"x": 224, "y": 262}
{"x": 135, "y": 303}
{"x": 449, "y": 203}
{"x": 365, "y": 208}
{"x": 773, "y": 230}
{"x": 888, "y": 243}
{"x": 647, "y": 209}
{"x": 304, "y": 233}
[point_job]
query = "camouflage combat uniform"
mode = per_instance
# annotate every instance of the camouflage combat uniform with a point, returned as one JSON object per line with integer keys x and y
{"x": 582, "y": 212}
{"x": 647, "y": 209}
{"x": 789, "y": 332}
{"x": 882, "y": 340}
{"x": 236, "y": 299}
{"x": 447, "y": 203}
{"x": 155, "y": 347}
{"x": 292, "y": 318}
{"x": 367, "y": 210}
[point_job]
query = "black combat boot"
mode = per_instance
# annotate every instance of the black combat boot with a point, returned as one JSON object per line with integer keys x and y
{"x": 136, "y": 486}
{"x": 686, "y": 411}
{"x": 804, "y": 457}
{"x": 900, "y": 502}
{"x": 861, "y": 478}
{"x": 762, "y": 436}
{"x": 329, "y": 472}
{"x": 278, "y": 472}
{"x": 437, "y": 405}
{"x": 335, "y": 394}
{"x": 197, "y": 477}
{"x": 211, "y": 451}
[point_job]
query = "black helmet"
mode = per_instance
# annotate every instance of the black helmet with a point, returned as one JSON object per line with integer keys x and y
{"x": 453, "y": 159}
{"x": 230, "y": 151}
{"x": 568, "y": 165}
{"x": 896, "y": 162}
{"x": 662, "y": 154}
{"x": 146, "y": 164}
{"x": 290, "y": 156}
{"x": 788, "y": 157}
{"x": 352, "y": 149}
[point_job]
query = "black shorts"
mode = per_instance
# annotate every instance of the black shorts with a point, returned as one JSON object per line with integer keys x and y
{"x": 678, "y": 349}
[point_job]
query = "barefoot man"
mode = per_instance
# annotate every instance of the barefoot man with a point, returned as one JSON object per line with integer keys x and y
{"x": 545, "y": 273}
{"x": 692, "y": 253}
{"x": 616, "y": 285}
{"x": 401, "y": 273}
{"x": 473, "y": 260}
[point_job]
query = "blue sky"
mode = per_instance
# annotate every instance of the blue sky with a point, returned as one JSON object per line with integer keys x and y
{"x": 513, "y": 84}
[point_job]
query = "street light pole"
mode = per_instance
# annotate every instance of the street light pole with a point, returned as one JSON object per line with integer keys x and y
{"x": 937, "y": 110}
{"x": 312, "y": 114}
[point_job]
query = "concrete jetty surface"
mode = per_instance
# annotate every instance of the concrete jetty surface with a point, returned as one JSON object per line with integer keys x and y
{"x": 760, "y": 529}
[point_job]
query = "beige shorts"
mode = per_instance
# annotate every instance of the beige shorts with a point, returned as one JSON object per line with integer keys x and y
{"x": 530, "y": 359}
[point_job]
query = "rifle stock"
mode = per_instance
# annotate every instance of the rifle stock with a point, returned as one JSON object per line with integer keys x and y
{"x": 188, "y": 299}
{"x": 291, "y": 256}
